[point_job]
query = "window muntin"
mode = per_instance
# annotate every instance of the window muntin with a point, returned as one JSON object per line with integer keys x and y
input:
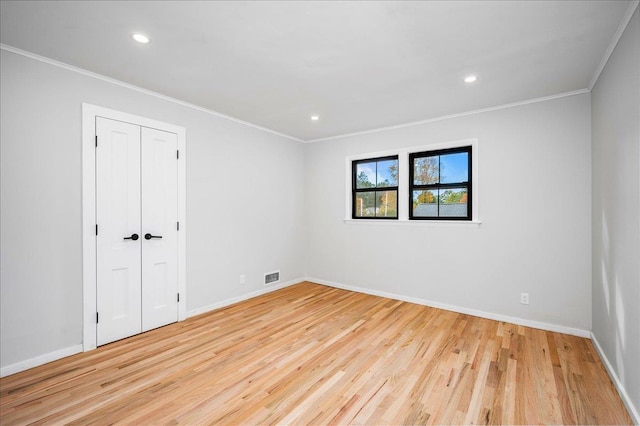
{"x": 375, "y": 188}
{"x": 440, "y": 184}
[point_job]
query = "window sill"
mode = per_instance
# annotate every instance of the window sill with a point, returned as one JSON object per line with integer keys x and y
{"x": 406, "y": 222}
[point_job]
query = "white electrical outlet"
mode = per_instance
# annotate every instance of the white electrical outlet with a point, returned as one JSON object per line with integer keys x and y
{"x": 524, "y": 298}
{"x": 243, "y": 279}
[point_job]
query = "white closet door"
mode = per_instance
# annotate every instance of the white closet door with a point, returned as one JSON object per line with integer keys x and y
{"x": 118, "y": 218}
{"x": 159, "y": 230}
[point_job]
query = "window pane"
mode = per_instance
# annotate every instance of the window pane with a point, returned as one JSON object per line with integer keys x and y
{"x": 454, "y": 168}
{"x": 386, "y": 203}
{"x": 425, "y": 203}
{"x": 387, "y": 173}
{"x": 453, "y": 202}
{"x": 425, "y": 170}
{"x": 366, "y": 175}
{"x": 365, "y": 204}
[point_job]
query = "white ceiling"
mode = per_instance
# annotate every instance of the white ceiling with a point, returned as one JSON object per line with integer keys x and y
{"x": 358, "y": 65}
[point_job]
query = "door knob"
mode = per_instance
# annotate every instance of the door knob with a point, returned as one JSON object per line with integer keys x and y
{"x": 132, "y": 237}
{"x": 149, "y": 236}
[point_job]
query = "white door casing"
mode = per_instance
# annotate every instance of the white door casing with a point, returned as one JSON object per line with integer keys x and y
{"x": 118, "y": 216}
{"x": 159, "y": 219}
{"x": 91, "y": 116}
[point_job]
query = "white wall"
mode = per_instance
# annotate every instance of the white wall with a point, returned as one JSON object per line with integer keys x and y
{"x": 616, "y": 211}
{"x": 535, "y": 208}
{"x": 244, "y": 203}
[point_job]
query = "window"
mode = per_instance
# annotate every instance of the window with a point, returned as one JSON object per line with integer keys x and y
{"x": 375, "y": 188}
{"x": 428, "y": 185}
{"x": 440, "y": 184}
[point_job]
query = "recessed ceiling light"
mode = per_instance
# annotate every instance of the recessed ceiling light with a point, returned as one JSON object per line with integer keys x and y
{"x": 140, "y": 38}
{"x": 470, "y": 79}
{"x": 315, "y": 118}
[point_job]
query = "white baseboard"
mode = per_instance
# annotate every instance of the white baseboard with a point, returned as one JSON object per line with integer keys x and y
{"x": 72, "y": 350}
{"x": 39, "y": 360}
{"x": 633, "y": 411}
{"x": 53, "y": 356}
{"x": 231, "y": 301}
{"x": 489, "y": 315}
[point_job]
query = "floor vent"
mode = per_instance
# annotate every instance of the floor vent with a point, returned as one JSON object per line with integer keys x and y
{"x": 271, "y": 277}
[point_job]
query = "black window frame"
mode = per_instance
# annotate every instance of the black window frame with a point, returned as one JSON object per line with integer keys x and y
{"x": 355, "y": 190}
{"x": 438, "y": 186}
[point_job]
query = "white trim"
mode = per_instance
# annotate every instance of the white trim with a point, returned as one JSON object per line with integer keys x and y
{"x": 633, "y": 411}
{"x": 614, "y": 42}
{"x": 403, "y": 187}
{"x": 39, "y": 360}
{"x": 468, "y": 311}
{"x": 407, "y": 222}
{"x": 76, "y": 349}
{"x": 242, "y": 298}
{"x": 328, "y": 138}
{"x": 89, "y": 114}
{"x": 138, "y": 89}
{"x": 449, "y": 117}
{"x": 89, "y": 265}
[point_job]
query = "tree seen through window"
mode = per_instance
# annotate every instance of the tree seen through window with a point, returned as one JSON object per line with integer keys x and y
{"x": 440, "y": 184}
{"x": 375, "y": 188}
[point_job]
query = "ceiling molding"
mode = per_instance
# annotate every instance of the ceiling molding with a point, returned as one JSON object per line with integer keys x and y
{"x": 614, "y": 41}
{"x": 329, "y": 138}
{"x": 448, "y": 117}
{"x": 264, "y": 74}
{"x": 137, "y": 89}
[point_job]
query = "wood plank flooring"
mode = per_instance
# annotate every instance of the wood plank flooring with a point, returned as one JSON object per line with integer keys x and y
{"x": 310, "y": 354}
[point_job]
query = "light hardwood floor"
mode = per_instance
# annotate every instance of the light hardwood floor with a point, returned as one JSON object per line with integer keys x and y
{"x": 310, "y": 354}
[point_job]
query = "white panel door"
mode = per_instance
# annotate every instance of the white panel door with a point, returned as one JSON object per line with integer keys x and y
{"x": 159, "y": 228}
{"x": 118, "y": 240}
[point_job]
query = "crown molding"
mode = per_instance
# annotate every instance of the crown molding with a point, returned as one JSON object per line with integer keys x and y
{"x": 120, "y": 83}
{"x": 449, "y": 117}
{"x": 614, "y": 41}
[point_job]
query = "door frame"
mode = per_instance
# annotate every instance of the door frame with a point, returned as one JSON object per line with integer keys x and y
{"x": 89, "y": 261}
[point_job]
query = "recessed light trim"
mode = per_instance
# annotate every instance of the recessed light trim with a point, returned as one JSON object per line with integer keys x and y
{"x": 470, "y": 78}
{"x": 315, "y": 118}
{"x": 140, "y": 38}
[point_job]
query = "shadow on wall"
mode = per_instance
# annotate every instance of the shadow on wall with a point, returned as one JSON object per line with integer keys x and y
{"x": 614, "y": 300}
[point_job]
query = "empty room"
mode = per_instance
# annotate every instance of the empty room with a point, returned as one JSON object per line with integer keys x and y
{"x": 320, "y": 212}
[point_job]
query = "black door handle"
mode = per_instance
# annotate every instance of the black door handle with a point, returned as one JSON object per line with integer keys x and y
{"x": 149, "y": 236}
{"x": 132, "y": 237}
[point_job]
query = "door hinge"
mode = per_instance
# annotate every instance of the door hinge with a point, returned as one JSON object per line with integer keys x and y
{"x": 177, "y": 154}
{"x": 96, "y": 229}
{"x": 97, "y": 318}
{"x": 178, "y": 297}
{"x": 177, "y": 226}
{"x": 96, "y": 140}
